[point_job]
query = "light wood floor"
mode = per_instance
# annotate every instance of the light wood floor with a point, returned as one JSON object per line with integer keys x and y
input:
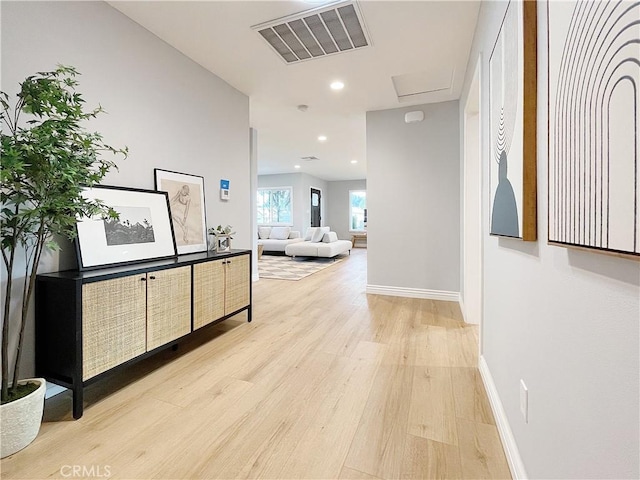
{"x": 326, "y": 383}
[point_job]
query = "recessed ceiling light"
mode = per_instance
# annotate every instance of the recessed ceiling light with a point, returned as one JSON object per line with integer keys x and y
{"x": 354, "y": 161}
{"x": 337, "y": 85}
{"x": 296, "y": 166}
{"x": 322, "y": 138}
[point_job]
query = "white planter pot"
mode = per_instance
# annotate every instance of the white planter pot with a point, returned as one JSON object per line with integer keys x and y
{"x": 21, "y": 419}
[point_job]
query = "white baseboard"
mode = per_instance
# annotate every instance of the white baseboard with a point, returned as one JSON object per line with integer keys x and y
{"x": 255, "y": 277}
{"x": 462, "y": 309}
{"x": 504, "y": 429}
{"x": 413, "y": 293}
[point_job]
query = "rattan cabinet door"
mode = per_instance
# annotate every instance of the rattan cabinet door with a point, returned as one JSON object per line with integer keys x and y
{"x": 113, "y": 323}
{"x": 208, "y": 292}
{"x": 168, "y": 305}
{"x": 237, "y": 283}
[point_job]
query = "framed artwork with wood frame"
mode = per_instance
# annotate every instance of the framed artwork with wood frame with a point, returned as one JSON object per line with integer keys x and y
{"x": 187, "y": 205}
{"x": 512, "y": 115}
{"x": 594, "y": 100}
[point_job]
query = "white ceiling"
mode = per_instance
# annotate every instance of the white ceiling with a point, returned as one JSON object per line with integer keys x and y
{"x": 421, "y": 43}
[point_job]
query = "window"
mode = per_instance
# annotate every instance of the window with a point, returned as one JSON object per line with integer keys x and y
{"x": 274, "y": 206}
{"x": 357, "y": 210}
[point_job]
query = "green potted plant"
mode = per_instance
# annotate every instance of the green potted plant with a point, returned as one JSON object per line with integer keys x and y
{"x": 47, "y": 159}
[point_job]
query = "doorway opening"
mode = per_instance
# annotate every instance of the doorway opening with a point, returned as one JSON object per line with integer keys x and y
{"x": 316, "y": 207}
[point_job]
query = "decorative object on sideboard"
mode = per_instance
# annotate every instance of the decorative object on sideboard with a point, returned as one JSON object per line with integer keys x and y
{"x": 223, "y": 243}
{"x": 512, "y": 115}
{"x": 187, "y": 206}
{"x": 45, "y": 160}
{"x": 222, "y": 238}
{"x": 594, "y": 179}
{"x": 141, "y": 231}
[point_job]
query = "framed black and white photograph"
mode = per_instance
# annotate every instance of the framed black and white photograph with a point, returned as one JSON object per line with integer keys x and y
{"x": 512, "y": 119}
{"x": 594, "y": 100}
{"x": 142, "y": 231}
{"x": 187, "y": 206}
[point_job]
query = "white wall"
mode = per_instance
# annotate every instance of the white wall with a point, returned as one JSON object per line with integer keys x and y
{"x": 253, "y": 156}
{"x": 413, "y": 199}
{"x": 169, "y": 111}
{"x": 338, "y": 205}
{"x": 301, "y": 183}
{"x": 565, "y": 321}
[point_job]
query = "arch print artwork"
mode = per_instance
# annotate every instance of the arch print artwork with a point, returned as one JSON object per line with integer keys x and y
{"x": 594, "y": 96}
{"x": 512, "y": 172}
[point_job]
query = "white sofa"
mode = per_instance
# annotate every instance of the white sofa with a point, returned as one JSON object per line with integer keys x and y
{"x": 276, "y": 239}
{"x": 319, "y": 242}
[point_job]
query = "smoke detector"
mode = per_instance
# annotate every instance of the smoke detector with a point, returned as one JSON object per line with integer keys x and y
{"x": 414, "y": 117}
{"x": 315, "y": 33}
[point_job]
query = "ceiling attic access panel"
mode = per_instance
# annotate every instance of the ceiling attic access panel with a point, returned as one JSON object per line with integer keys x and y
{"x": 316, "y": 33}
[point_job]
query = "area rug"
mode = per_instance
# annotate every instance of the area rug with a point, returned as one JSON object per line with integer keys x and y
{"x": 287, "y": 268}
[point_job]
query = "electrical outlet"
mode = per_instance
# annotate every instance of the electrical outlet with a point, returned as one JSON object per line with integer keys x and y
{"x": 524, "y": 401}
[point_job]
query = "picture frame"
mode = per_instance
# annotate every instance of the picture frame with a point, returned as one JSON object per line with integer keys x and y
{"x": 187, "y": 206}
{"x": 143, "y": 231}
{"x": 593, "y": 176}
{"x": 512, "y": 124}
{"x": 222, "y": 243}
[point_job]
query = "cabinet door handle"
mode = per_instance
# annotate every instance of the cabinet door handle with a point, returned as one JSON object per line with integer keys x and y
{"x": 143, "y": 279}
{"x": 152, "y": 277}
{"x": 229, "y": 261}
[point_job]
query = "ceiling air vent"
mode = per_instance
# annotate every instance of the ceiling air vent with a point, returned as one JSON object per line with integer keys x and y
{"x": 309, "y": 159}
{"x": 316, "y": 33}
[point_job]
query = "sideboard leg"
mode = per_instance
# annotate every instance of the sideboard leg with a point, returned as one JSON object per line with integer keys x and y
{"x": 78, "y": 399}
{"x": 249, "y": 315}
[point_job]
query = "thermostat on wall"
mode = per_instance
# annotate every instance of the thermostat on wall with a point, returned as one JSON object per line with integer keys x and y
{"x": 224, "y": 189}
